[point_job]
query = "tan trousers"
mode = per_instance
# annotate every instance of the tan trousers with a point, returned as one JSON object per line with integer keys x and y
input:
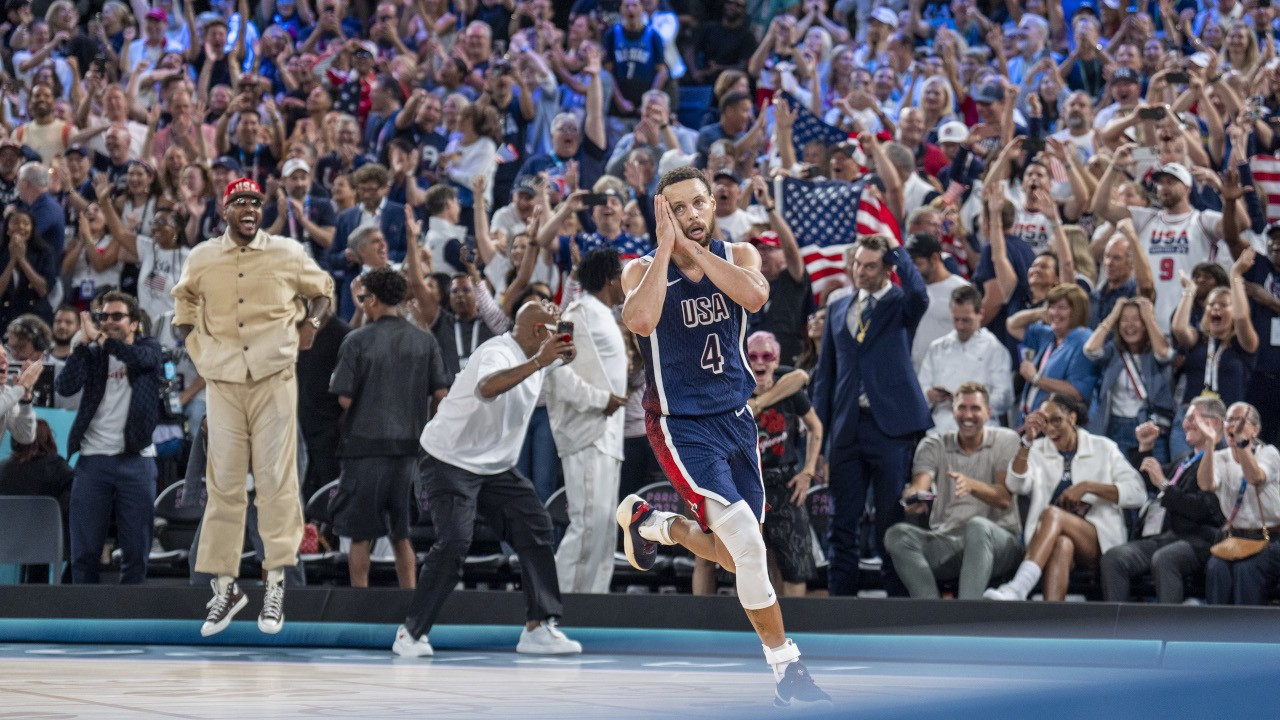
{"x": 253, "y": 421}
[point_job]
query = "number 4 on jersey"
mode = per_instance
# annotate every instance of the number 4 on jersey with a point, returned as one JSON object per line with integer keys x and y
{"x": 712, "y": 358}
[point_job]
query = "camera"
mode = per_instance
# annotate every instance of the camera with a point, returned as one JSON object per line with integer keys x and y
{"x": 172, "y": 385}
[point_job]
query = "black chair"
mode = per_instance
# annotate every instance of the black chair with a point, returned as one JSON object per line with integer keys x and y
{"x": 176, "y": 522}
{"x": 557, "y": 507}
{"x": 31, "y": 533}
{"x": 325, "y": 564}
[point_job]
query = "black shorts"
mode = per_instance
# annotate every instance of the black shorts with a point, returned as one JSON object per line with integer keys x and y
{"x": 374, "y": 496}
{"x": 786, "y": 529}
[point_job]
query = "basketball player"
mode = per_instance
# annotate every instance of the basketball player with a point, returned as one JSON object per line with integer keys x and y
{"x": 687, "y": 302}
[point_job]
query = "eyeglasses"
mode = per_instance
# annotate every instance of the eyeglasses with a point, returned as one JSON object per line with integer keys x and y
{"x": 113, "y": 316}
{"x": 1055, "y": 420}
{"x": 247, "y": 202}
{"x": 762, "y": 357}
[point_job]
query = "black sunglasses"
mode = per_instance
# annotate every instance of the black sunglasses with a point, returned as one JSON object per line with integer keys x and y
{"x": 112, "y": 316}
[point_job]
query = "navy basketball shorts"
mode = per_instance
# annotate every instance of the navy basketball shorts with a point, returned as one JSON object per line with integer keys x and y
{"x": 710, "y": 456}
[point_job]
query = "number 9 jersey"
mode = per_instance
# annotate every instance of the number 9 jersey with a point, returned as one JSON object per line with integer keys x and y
{"x": 695, "y": 360}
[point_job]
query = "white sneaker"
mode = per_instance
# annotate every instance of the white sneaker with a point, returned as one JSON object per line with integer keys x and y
{"x": 271, "y": 619}
{"x": 547, "y": 639}
{"x": 1004, "y": 592}
{"x": 406, "y": 646}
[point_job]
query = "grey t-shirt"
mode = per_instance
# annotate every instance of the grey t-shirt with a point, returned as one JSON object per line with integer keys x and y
{"x": 389, "y": 369}
{"x": 940, "y": 454}
{"x": 105, "y": 434}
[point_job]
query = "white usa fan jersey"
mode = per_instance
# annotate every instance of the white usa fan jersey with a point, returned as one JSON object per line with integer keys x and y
{"x": 1175, "y": 244}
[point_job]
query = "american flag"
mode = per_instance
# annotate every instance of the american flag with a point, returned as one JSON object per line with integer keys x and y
{"x": 1266, "y": 181}
{"x": 827, "y": 217}
{"x": 810, "y": 127}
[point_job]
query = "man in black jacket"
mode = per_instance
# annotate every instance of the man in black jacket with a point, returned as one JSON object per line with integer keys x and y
{"x": 119, "y": 372}
{"x": 1179, "y": 526}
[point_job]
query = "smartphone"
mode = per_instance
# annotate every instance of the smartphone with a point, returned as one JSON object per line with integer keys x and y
{"x": 593, "y": 199}
{"x": 1155, "y": 113}
{"x": 1242, "y": 444}
{"x": 565, "y": 328}
{"x": 916, "y": 498}
{"x": 1033, "y": 147}
{"x": 1178, "y": 78}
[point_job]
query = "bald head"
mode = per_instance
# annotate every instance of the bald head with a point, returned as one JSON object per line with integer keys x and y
{"x": 536, "y": 312}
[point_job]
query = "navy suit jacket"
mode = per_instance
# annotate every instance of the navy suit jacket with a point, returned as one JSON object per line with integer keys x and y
{"x": 881, "y": 363}
{"x": 393, "y": 230}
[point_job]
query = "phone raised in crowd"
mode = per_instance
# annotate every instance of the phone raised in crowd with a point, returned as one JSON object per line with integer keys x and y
{"x": 1178, "y": 77}
{"x": 1155, "y": 113}
{"x": 593, "y": 199}
{"x": 565, "y": 330}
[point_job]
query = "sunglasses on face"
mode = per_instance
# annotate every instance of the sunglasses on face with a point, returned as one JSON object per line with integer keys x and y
{"x": 762, "y": 357}
{"x": 247, "y": 202}
{"x": 112, "y": 316}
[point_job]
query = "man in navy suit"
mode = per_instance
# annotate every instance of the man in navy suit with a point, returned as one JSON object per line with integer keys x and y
{"x": 867, "y": 394}
{"x": 371, "y": 183}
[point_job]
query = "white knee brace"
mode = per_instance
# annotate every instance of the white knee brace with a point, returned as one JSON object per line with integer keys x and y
{"x": 739, "y": 531}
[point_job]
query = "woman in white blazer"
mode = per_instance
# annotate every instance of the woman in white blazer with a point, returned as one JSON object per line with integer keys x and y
{"x": 1079, "y": 483}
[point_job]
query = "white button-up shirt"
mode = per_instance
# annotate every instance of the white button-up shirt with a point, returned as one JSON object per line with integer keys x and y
{"x": 478, "y": 435}
{"x": 1227, "y": 474}
{"x": 949, "y": 362}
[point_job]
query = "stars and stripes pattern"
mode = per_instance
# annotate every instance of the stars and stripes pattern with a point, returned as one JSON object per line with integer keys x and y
{"x": 810, "y": 127}
{"x": 827, "y": 218}
{"x": 1266, "y": 181}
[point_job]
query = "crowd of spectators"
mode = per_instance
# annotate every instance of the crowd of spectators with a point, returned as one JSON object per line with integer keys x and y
{"x": 1086, "y": 233}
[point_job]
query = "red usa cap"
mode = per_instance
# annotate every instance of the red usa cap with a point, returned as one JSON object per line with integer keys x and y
{"x": 242, "y": 186}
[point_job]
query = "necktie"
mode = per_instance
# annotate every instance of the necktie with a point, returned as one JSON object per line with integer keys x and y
{"x": 868, "y": 306}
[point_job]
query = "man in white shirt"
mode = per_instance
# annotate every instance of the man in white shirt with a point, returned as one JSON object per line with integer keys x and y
{"x": 729, "y": 217}
{"x": 583, "y": 400}
{"x": 444, "y": 235}
{"x": 1246, "y": 477}
{"x": 926, "y": 253}
{"x": 472, "y": 446}
{"x": 1077, "y": 116}
{"x": 1126, "y": 90}
{"x": 153, "y": 44}
{"x": 970, "y": 352}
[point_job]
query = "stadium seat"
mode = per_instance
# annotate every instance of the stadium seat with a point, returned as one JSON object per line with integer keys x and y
{"x": 558, "y": 508}
{"x": 175, "y": 528}
{"x": 694, "y": 101}
{"x": 31, "y": 533}
{"x": 326, "y": 564}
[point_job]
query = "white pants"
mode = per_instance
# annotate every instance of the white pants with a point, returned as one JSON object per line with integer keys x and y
{"x": 584, "y": 561}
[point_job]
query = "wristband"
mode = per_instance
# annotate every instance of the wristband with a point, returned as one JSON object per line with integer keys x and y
{"x": 769, "y": 208}
{"x": 1025, "y": 442}
{"x": 535, "y": 362}
{"x": 1035, "y": 378}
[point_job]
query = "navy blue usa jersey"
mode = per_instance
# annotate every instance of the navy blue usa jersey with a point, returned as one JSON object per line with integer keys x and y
{"x": 696, "y": 359}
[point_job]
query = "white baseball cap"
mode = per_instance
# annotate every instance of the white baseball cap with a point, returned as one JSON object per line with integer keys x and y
{"x": 1174, "y": 170}
{"x": 886, "y": 16}
{"x": 953, "y": 131}
{"x": 293, "y": 165}
{"x": 673, "y": 159}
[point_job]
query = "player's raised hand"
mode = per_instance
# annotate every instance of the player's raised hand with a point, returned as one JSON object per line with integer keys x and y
{"x": 667, "y": 229}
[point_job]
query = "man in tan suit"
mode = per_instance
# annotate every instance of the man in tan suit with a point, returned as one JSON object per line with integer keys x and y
{"x": 246, "y": 303}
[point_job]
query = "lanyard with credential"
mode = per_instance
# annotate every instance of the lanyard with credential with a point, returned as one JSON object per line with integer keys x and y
{"x": 1135, "y": 377}
{"x": 475, "y": 338}
{"x": 1212, "y": 359}
{"x": 1029, "y": 391}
